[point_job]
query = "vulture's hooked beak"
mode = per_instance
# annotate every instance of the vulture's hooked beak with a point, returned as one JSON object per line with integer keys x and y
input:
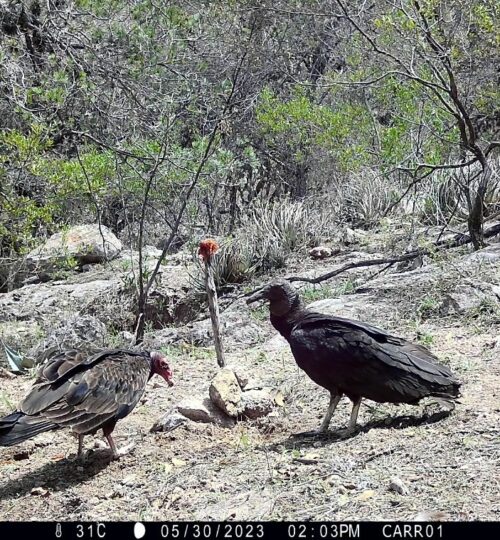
{"x": 260, "y": 294}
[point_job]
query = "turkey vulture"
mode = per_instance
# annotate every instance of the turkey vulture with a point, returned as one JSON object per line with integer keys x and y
{"x": 85, "y": 393}
{"x": 354, "y": 358}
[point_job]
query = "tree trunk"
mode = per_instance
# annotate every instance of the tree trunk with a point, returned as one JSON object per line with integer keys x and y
{"x": 476, "y": 213}
{"x": 140, "y": 322}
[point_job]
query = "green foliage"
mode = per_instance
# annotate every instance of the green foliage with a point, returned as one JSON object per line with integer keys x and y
{"x": 302, "y": 123}
{"x": 312, "y": 294}
{"x": 268, "y": 235}
{"x": 425, "y": 338}
{"x": 91, "y": 175}
{"x": 427, "y": 307}
{"x": 20, "y": 214}
{"x": 346, "y": 287}
{"x": 153, "y": 86}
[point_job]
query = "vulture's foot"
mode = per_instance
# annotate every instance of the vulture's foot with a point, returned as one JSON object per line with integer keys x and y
{"x": 83, "y": 457}
{"x": 345, "y": 433}
{"x": 125, "y": 450}
{"x": 117, "y": 454}
{"x": 439, "y": 404}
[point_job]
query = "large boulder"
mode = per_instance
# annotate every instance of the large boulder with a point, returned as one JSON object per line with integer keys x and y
{"x": 83, "y": 332}
{"x": 87, "y": 244}
{"x": 239, "y": 329}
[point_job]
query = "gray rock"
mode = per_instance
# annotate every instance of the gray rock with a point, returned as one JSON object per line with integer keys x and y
{"x": 80, "y": 332}
{"x": 257, "y": 403}
{"x": 239, "y": 329}
{"x": 196, "y": 409}
{"x": 86, "y": 243}
{"x": 356, "y": 306}
{"x": 397, "y": 485}
{"x": 321, "y": 252}
{"x": 226, "y": 393}
{"x": 462, "y": 301}
{"x": 489, "y": 254}
{"x": 353, "y": 236}
{"x": 169, "y": 422}
{"x": 495, "y": 289}
{"x": 4, "y": 374}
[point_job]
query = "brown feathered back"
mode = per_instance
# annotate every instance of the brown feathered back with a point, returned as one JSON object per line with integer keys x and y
{"x": 87, "y": 392}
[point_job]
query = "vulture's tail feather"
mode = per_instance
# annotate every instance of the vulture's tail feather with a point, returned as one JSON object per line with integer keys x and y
{"x": 17, "y": 427}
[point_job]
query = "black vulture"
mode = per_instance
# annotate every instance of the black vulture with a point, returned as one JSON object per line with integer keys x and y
{"x": 353, "y": 358}
{"x": 85, "y": 393}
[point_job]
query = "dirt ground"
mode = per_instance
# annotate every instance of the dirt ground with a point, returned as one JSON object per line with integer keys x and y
{"x": 261, "y": 470}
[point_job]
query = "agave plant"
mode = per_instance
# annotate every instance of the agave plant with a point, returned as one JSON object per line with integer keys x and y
{"x": 15, "y": 361}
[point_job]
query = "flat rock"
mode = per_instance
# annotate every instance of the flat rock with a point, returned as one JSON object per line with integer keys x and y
{"x": 226, "y": 393}
{"x": 242, "y": 374}
{"x": 489, "y": 254}
{"x": 362, "y": 307}
{"x": 88, "y": 244}
{"x": 204, "y": 411}
{"x": 240, "y": 331}
{"x": 5, "y": 374}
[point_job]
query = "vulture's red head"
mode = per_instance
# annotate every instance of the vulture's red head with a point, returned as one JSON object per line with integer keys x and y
{"x": 160, "y": 367}
{"x": 207, "y": 248}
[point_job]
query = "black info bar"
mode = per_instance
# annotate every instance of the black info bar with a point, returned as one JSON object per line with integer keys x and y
{"x": 249, "y": 530}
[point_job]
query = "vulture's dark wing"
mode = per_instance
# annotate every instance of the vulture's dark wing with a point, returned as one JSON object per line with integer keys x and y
{"x": 58, "y": 364}
{"x": 362, "y": 360}
{"x": 105, "y": 386}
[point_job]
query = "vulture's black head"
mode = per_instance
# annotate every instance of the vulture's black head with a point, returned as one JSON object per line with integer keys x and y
{"x": 281, "y": 295}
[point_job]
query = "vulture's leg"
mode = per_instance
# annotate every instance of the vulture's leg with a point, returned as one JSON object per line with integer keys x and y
{"x": 118, "y": 453}
{"x": 80, "y": 447}
{"x": 112, "y": 445}
{"x": 334, "y": 401}
{"x": 107, "y": 430}
{"x": 354, "y": 415}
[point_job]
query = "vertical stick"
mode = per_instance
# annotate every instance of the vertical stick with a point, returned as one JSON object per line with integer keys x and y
{"x": 213, "y": 306}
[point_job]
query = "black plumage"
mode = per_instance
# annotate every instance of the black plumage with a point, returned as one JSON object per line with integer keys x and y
{"x": 355, "y": 359}
{"x": 83, "y": 392}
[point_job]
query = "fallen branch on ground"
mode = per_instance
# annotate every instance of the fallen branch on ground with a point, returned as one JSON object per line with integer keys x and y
{"x": 457, "y": 241}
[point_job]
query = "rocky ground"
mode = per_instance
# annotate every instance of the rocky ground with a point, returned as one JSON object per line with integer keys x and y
{"x": 402, "y": 461}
